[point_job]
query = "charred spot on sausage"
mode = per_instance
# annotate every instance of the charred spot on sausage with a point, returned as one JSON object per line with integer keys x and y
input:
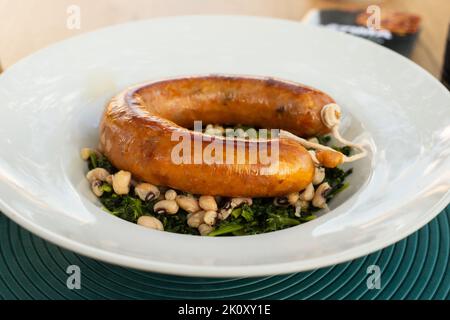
{"x": 281, "y": 109}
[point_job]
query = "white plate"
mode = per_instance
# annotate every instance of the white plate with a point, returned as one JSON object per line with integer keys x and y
{"x": 52, "y": 102}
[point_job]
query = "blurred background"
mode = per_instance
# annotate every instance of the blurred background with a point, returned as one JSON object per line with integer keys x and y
{"x": 29, "y": 25}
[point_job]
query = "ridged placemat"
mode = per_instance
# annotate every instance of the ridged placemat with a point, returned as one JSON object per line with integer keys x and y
{"x": 414, "y": 268}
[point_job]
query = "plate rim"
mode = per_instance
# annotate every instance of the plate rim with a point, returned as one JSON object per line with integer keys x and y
{"x": 220, "y": 271}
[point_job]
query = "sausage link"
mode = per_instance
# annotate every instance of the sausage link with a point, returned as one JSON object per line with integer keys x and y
{"x": 137, "y": 128}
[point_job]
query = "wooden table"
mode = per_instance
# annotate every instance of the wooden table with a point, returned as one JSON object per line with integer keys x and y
{"x": 28, "y": 25}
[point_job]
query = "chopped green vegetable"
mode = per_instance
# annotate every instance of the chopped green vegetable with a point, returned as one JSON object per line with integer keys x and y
{"x": 176, "y": 223}
{"x": 307, "y": 218}
{"x": 345, "y": 150}
{"x": 99, "y": 161}
{"x": 93, "y": 161}
{"x": 335, "y": 176}
{"x": 324, "y": 139}
{"x": 125, "y": 207}
{"x": 131, "y": 208}
{"x": 106, "y": 187}
{"x": 226, "y": 228}
{"x": 280, "y": 221}
{"x": 236, "y": 212}
{"x": 262, "y": 216}
{"x": 247, "y": 213}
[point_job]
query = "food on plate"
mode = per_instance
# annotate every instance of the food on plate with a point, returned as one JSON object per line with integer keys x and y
{"x": 163, "y": 208}
{"x": 138, "y": 125}
{"x": 139, "y": 177}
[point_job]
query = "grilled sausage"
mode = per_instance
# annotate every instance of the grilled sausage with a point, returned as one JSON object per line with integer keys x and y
{"x": 137, "y": 128}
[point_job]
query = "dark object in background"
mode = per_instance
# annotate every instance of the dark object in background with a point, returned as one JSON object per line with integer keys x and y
{"x": 446, "y": 67}
{"x": 398, "y": 30}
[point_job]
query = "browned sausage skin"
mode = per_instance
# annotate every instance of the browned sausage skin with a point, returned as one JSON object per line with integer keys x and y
{"x": 138, "y": 124}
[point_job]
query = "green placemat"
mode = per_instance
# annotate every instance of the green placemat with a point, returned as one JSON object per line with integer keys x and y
{"x": 414, "y": 268}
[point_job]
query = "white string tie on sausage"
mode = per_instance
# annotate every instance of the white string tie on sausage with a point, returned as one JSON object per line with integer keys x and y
{"x": 330, "y": 114}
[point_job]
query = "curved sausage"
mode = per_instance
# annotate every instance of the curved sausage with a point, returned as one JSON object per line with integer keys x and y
{"x": 138, "y": 126}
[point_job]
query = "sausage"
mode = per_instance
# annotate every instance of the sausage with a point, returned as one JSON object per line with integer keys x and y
{"x": 138, "y": 125}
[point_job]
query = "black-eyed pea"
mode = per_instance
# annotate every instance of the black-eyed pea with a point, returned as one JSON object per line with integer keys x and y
{"x": 196, "y": 219}
{"x": 146, "y": 191}
{"x": 319, "y": 175}
{"x": 166, "y": 206}
{"x": 308, "y": 193}
{"x": 150, "y": 222}
{"x": 188, "y": 203}
{"x": 210, "y": 217}
{"x": 207, "y": 203}
{"x": 292, "y": 198}
{"x": 205, "y": 229}
{"x": 224, "y": 213}
{"x": 121, "y": 182}
{"x": 96, "y": 187}
{"x": 280, "y": 202}
{"x": 97, "y": 174}
{"x": 300, "y": 205}
{"x": 236, "y": 202}
{"x": 319, "y": 200}
{"x": 170, "y": 194}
